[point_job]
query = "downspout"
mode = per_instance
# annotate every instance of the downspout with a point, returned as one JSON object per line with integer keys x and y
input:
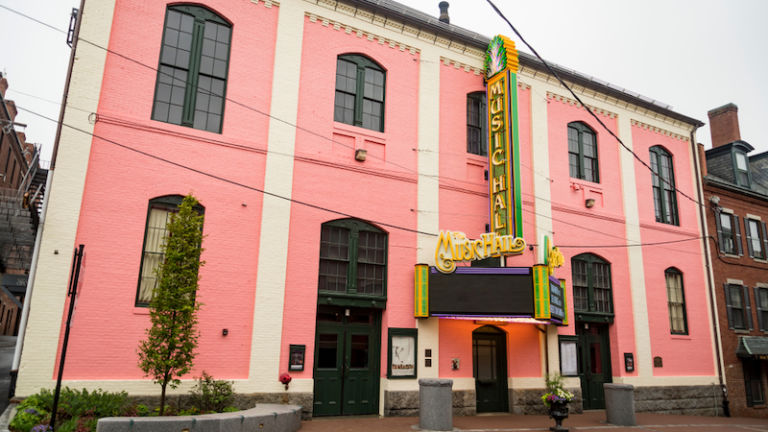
{"x": 708, "y": 265}
{"x": 41, "y": 224}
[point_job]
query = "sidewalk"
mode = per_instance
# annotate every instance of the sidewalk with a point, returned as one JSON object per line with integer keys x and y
{"x": 591, "y": 421}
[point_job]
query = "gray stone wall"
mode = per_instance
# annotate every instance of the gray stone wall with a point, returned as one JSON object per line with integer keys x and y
{"x": 406, "y": 403}
{"x": 528, "y": 401}
{"x": 685, "y": 400}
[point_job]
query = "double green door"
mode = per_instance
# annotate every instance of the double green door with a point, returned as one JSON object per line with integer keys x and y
{"x": 595, "y": 363}
{"x": 346, "y": 371}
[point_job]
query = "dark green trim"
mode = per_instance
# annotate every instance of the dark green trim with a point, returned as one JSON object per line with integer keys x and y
{"x": 735, "y": 152}
{"x": 591, "y": 315}
{"x": 582, "y": 128}
{"x": 657, "y": 153}
{"x": 351, "y": 297}
{"x": 403, "y": 332}
{"x": 362, "y": 64}
{"x": 200, "y": 15}
{"x": 677, "y": 272}
{"x": 170, "y": 203}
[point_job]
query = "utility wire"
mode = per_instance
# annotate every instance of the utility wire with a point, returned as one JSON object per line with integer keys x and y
{"x": 312, "y": 133}
{"x": 578, "y": 99}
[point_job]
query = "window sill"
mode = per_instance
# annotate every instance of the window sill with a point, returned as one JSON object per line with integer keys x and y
{"x": 728, "y": 255}
{"x": 140, "y": 310}
{"x": 579, "y": 184}
{"x": 760, "y": 260}
{"x": 741, "y": 331}
{"x": 681, "y": 337}
{"x": 358, "y": 130}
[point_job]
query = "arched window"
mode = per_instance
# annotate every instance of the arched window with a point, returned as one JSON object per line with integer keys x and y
{"x": 353, "y": 259}
{"x": 664, "y": 194}
{"x": 678, "y": 321}
{"x": 155, "y": 233}
{"x": 582, "y": 152}
{"x": 360, "y": 85}
{"x": 592, "y": 292}
{"x": 194, "y": 62}
{"x": 477, "y": 141}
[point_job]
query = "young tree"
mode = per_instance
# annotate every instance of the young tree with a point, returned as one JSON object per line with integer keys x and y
{"x": 169, "y": 349}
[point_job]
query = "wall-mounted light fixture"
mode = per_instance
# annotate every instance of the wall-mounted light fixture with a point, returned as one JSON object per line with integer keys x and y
{"x": 589, "y": 202}
{"x": 224, "y": 332}
{"x": 360, "y": 154}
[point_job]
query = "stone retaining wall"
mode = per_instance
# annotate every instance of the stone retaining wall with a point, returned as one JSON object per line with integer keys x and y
{"x": 406, "y": 403}
{"x": 241, "y": 401}
{"x": 262, "y": 418}
{"x": 684, "y": 400}
{"x": 528, "y": 401}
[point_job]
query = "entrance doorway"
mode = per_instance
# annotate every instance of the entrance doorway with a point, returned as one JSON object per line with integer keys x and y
{"x": 595, "y": 363}
{"x": 489, "y": 366}
{"x": 346, "y": 371}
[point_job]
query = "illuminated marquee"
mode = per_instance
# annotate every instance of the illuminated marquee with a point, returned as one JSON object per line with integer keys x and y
{"x": 501, "y": 77}
{"x": 453, "y": 246}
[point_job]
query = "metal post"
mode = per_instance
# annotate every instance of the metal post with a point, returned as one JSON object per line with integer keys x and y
{"x": 74, "y": 277}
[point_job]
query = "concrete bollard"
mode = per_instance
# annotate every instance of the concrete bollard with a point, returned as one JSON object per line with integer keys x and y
{"x": 436, "y": 404}
{"x": 620, "y": 404}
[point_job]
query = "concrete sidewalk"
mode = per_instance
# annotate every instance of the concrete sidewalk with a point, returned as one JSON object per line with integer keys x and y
{"x": 591, "y": 421}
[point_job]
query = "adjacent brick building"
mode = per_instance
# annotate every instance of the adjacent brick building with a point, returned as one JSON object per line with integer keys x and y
{"x": 21, "y": 192}
{"x": 736, "y": 193}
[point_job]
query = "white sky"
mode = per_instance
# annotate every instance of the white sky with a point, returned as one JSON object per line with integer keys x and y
{"x": 694, "y": 55}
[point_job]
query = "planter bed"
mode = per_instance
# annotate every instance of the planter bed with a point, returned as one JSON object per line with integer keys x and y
{"x": 261, "y": 418}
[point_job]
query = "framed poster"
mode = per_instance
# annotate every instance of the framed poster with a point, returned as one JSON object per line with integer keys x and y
{"x": 569, "y": 365}
{"x": 402, "y": 353}
{"x": 296, "y": 357}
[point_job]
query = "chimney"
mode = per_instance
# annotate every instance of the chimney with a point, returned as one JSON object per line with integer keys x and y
{"x": 702, "y": 159}
{"x": 443, "y": 5}
{"x": 724, "y": 125}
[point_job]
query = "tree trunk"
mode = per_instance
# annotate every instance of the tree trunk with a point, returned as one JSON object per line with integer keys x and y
{"x": 162, "y": 398}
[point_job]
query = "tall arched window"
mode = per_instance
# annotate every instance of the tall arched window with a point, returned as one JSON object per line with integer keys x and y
{"x": 194, "y": 62}
{"x": 678, "y": 322}
{"x": 360, "y": 86}
{"x": 664, "y": 194}
{"x": 592, "y": 291}
{"x": 155, "y": 233}
{"x": 353, "y": 259}
{"x": 477, "y": 141}
{"x": 582, "y": 152}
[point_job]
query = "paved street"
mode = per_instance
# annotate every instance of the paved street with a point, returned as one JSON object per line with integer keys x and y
{"x": 592, "y": 421}
{"x": 7, "y": 345}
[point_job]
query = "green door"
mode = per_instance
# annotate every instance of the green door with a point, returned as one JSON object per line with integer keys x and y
{"x": 489, "y": 367}
{"x": 346, "y": 372}
{"x": 595, "y": 363}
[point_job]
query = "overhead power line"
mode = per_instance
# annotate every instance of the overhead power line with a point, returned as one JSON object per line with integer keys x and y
{"x": 578, "y": 99}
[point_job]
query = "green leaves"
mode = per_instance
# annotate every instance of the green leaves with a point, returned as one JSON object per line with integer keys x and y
{"x": 169, "y": 349}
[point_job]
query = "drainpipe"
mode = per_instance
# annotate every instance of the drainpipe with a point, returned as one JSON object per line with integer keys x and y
{"x": 708, "y": 264}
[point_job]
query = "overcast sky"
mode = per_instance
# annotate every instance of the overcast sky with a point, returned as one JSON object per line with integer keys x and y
{"x": 694, "y": 55}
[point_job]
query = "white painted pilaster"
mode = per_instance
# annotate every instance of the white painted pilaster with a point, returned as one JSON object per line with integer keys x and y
{"x": 276, "y": 212}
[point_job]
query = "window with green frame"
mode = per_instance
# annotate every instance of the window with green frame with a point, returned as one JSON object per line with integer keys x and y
{"x": 582, "y": 152}
{"x": 194, "y": 63}
{"x": 664, "y": 193}
{"x": 353, "y": 259}
{"x": 477, "y": 141}
{"x": 155, "y": 233}
{"x": 360, "y": 89}
{"x": 678, "y": 320}
{"x": 592, "y": 291}
{"x": 728, "y": 233}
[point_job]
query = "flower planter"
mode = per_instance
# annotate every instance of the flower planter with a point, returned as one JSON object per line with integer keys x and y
{"x": 559, "y": 412}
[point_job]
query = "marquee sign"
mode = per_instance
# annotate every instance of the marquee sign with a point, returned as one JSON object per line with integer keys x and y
{"x": 454, "y": 246}
{"x": 501, "y": 65}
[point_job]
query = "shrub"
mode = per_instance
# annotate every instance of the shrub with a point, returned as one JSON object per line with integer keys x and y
{"x": 78, "y": 410}
{"x": 210, "y": 395}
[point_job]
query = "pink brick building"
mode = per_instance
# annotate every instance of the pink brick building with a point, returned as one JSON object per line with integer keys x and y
{"x": 330, "y": 142}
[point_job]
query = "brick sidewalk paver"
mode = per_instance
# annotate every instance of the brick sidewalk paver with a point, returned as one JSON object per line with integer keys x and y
{"x": 591, "y": 421}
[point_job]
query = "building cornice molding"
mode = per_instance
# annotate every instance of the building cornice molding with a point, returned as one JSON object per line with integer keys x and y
{"x": 659, "y": 130}
{"x": 476, "y": 70}
{"x": 267, "y": 3}
{"x": 349, "y": 29}
{"x": 570, "y": 101}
